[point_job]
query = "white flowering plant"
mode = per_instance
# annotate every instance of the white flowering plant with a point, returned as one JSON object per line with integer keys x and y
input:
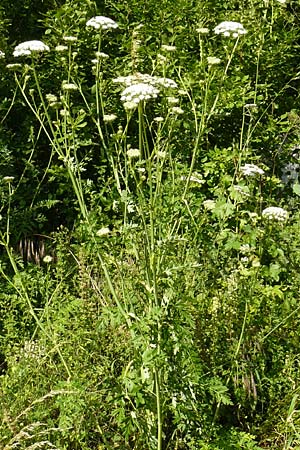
{"x": 149, "y": 227}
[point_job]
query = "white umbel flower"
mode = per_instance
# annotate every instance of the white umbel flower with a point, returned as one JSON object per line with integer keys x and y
{"x": 101, "y": 22}
{"x": 70, "y": 39}
{"x": 159, "y": 82}
{"x": 275, "y": 213}
{"x": 139, "y": 92}
{"x": 108, "y": 118}
{"x": 13, "y": 67}
{"x": 176, "y": 110}
{"x": 29, "y": 47}
{"x": 212, "y": 60}
{"x": 168, "y": 48}
{"x": 228, "y": 29}
{"x": 2, "y": 54}
{"x": 103, "y": 232}
{"x": 133, "y": 153}
{"x": 69, "y": 86}
{"x": 251, "y": 170}
{"x": 61, "y": 48}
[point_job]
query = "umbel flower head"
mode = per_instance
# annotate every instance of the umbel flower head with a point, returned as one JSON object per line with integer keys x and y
{"x": 101, "y": 22}
{"x": 228, "y": 29}
{"x": 159, "y": 82}
{"x": 251, "y": 170}
{"x": 275, "y": 213}
{"x": 138, "y": 92}
{"x": 68, "y": 86}
{"x": 30, "y": 47}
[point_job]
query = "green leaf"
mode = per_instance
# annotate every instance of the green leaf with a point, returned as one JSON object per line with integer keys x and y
{"x": 296, "y": 189}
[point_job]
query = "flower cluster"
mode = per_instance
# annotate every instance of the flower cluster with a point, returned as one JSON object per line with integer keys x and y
{"x": 212, "y": 60}
{"x": 168, "y": 48}
{"x": 52, "y": 99}
{"x": 103, "y": 232}
{"x": 159, "y": 82}
{"x": 101, "y": 22}
{"x": 13, "y": 67}
{"x": 176, "y": 110}
{"x": 133, "y": 153}
{"x": 61, "y": 48}
{"x": 251, "y": 170}
{"x": 275, "y": 213}
{"x": 228, "y": 29}
{"x": 70, "y": 39}
{"x": 29, "y": 47}
{"x": 108, "y": 118}
{"x": 138, "y": 92}
{"x": 202, "y": 30}
{"x": 69, "y": 86}
{"x": 209, "y": 204}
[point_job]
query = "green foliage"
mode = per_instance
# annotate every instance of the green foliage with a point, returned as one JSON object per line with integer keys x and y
{"x": 149, "y": 254}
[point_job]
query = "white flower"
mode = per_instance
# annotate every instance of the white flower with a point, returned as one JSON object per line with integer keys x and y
{"x": 8, "y": 179}
{"x": 211, "y": 60}
{"x": 69, "y": 86}
{"x": 202, "y": 30}
{"x": 2, "y": 55}
{"x": 161, "y": 58}
{"x": 196, "y": 178}
{"x": 275, "y": 213}
{"x": 15, "y": 66}
{"x": 290, "y": 172}
{"x": 250, "y": 106}
{"x": 70, "y": 39}
{"x": 164, "y": 82}
{"x": 51, "y": 98}
{"x": 103, "y": 232}
{"x": 29, "y": 47}
{"x": 64, "y": 113}
{"x": 101, "y": 22}
{"x": 176, "y": 110}
{"x": 47, "y": 259}
{"x": 251, "y": 170}
{"x": 158, "y": 119}
{"x": 129, "y": 106}
{"x": 227, "y": 29}
{"x": 241, "y": 190}
{"x": 159, "y": 82}
{"x": 209, "y": 205}
{"x": 172, "y": 100}
{"x": 245, "y": 248}
{"x": 130, "y": 207}
{"x": 101, "y": 55}
{"x": 61, "y": 48}
{"x": 168, "y": 48}
{"x": 133, "y": 153}
{"x": 109, "y": 118}
{"x": 138, "y": 92}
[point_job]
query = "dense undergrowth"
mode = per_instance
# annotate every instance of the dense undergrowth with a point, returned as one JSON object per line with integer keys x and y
{"x": 150, "y": 225}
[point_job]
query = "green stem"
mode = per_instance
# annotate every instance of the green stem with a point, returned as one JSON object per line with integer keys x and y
{"x": 158, "y": 409}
